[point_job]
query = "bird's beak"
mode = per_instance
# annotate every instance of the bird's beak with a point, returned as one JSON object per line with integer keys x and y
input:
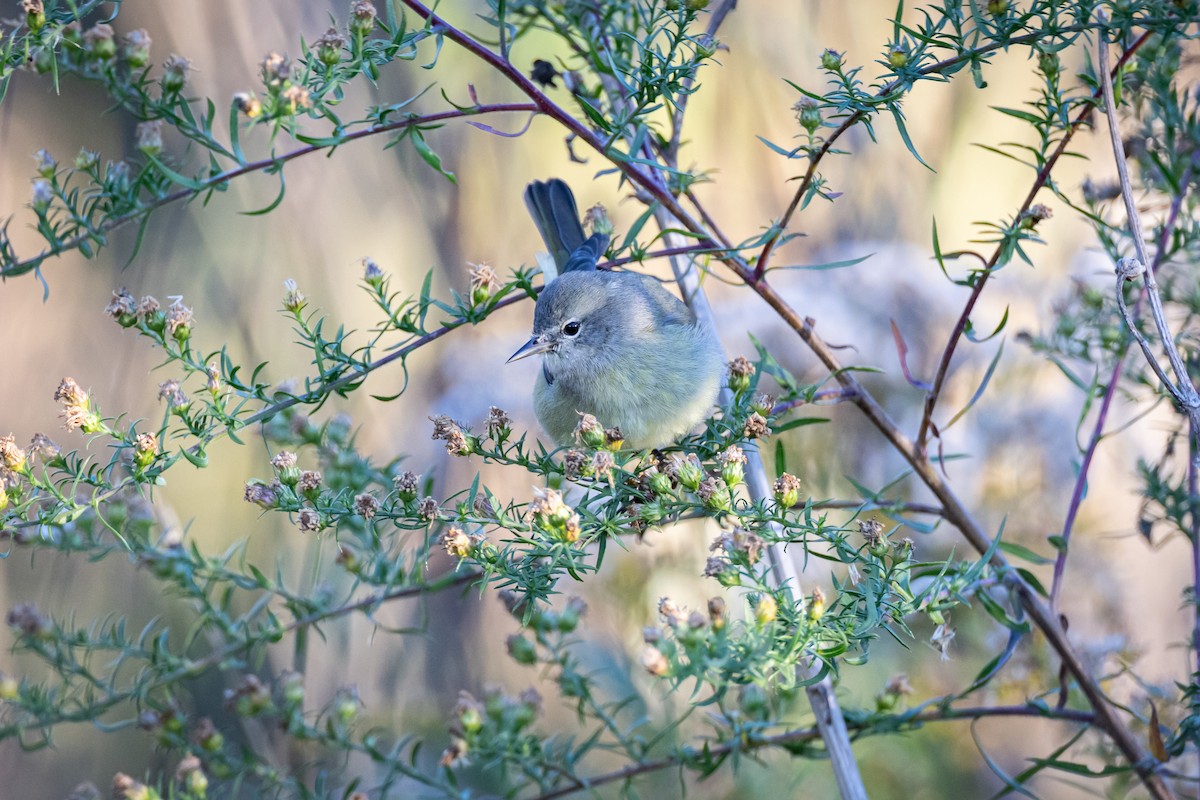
{"x": 535, "y": 346}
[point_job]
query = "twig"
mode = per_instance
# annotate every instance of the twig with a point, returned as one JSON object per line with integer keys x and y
{"x": 1060, "y": 561}
{"x": 801, "y": 735}
{"x": 1184, "y": 392}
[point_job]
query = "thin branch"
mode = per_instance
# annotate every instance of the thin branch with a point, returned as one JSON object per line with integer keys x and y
{"x": 803, "y": 735}
{"x": 1060, "y": 561}
{"x": 215, "y": 181}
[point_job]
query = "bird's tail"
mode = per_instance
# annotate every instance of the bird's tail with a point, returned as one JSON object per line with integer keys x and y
{"x": 552, "y": 206}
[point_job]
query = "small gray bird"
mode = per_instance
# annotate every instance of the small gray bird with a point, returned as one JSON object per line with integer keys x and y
{"x": 616, "y": 345}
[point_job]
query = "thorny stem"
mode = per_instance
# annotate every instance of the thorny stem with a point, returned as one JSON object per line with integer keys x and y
{"x": 958, "y": 515}
{"x": 215, "y": 181}
{"x": 804, "y": 735}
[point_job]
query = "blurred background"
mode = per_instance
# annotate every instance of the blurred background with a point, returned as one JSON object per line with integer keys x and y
{"x": 366, "y": 201}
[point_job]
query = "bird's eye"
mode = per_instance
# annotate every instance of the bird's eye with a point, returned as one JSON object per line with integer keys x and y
{"x": 571, "y": 327}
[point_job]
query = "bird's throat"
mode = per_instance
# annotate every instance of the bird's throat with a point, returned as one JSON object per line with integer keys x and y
{"x": 547, "y": 374}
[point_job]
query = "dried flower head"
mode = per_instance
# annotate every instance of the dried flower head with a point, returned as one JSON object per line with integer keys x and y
{"x": 172, "y": 392}
{"x": 296, "y": 98}
{"x": 122, "y": 308}
{"x": 366, "y": 505}
{"x": 483, "y": 283}
{"x": 575, "y": 463}
{"x": 405, "y": 485}
{"x": 671, "y": 612}
{"x": 589, "y": 432}
{"x": 787, "y": 490}
{"x": 329, "y": 47}
{"x": 175, "y": 73}
{"x": 27, "y": 619}
{"x": 77, "y": 412}
{"x": 46, "y": 165}
{"x": 740, "y": 544}
{"x": 456, "y": 542}
{"x": 1036, "y": 213}
{"x": 714, "y": 494}
{"x": 136, "y": 48}
{"x": 308, "y": 520}
{"x": 213, "y": 379}
{"x": 756, "y": 427}
{"x": 498, "y": 424}
{"x": 276, "y": 70}
{"x": 248, "y": 103}
{"x": 309, "y": 482}
{"x": 86, "y": 160}
{"x": 362, "y": 17}
{"x": 428, "y": 509}
{"x": 457, "y": 442}
{"x": 179, "y": 319}
{"x": 99, "y": 42}
{"x": 293, "y": 299}
{"x": 147, "y": 305}
{"x": 613, "y": 438}
{"x": 553, "y": 516}
{"x": 872, "y": 532}
{"x": 603, "y": 464}
{"x": 42, "y": 194}
{"x": 261, "y": 494}
{"x": 11, "y": 456}
{"x": 149, "y": 137}
{"x": 145, "y": 449}
{"x": 733, "y": 463}
{"x": 596, "y": 220}
{"x": 942, "y": 636}
{"x": 808, "y": 113}
{"x": 740, "y": 372}
{"x": 42, "y": 447}
{"x": 654, "y": 662}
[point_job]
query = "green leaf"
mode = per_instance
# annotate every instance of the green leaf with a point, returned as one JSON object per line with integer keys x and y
{"x": 796, "y": 423}
{"x": 849, "y": 262}
{"x": 1024, "y": 553}
{"x": 900, "y": 126}
{"x": 430, "y": 157}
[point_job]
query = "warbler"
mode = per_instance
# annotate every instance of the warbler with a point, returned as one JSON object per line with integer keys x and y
{"x": 616, "y": 345}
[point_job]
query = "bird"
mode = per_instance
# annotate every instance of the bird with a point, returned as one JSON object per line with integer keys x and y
{"x": 615, "y": 345}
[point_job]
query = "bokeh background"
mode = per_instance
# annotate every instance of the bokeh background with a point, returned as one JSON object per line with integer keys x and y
{"x": 1122, "y": 595}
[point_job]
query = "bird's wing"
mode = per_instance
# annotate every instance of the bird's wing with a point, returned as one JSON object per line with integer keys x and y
{"x": 667, "y": 308}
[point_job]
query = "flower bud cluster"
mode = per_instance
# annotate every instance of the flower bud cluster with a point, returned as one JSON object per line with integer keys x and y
{"x": 554, "y": 517}
{"x": 478, "y": 725}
